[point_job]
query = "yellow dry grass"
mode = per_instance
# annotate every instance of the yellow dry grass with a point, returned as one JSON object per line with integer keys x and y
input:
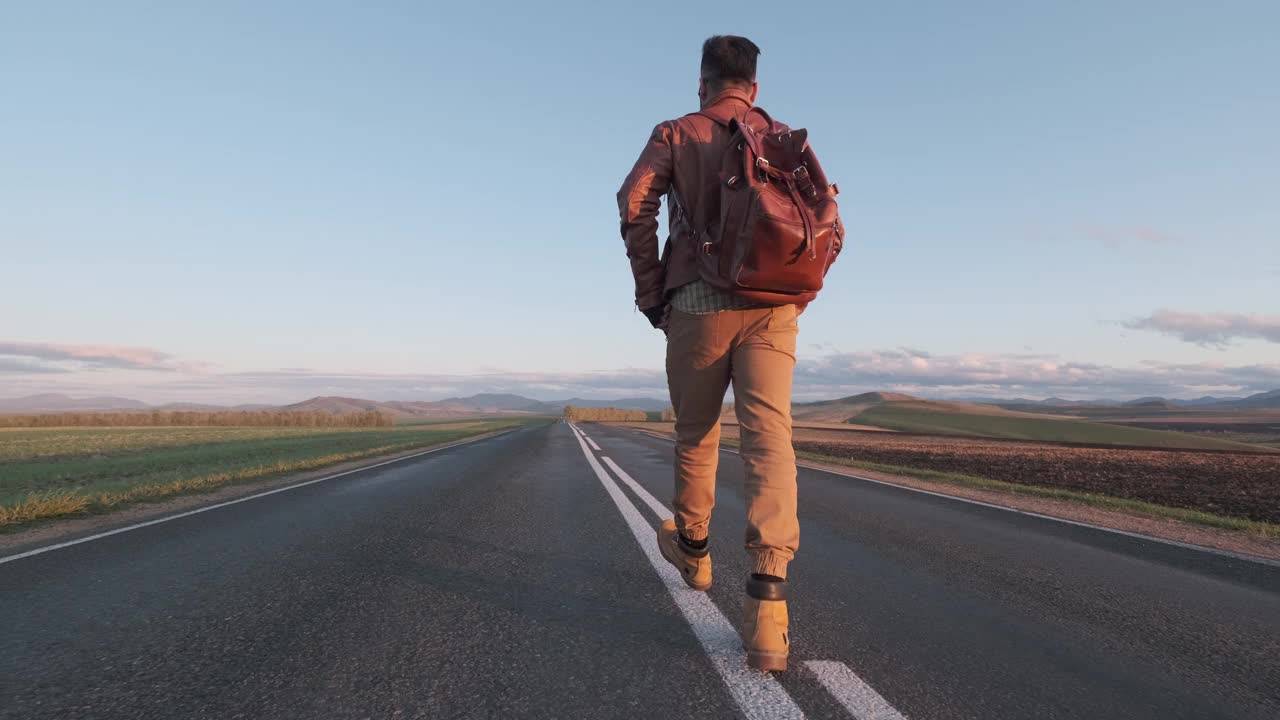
{"x": 43, "y": 505}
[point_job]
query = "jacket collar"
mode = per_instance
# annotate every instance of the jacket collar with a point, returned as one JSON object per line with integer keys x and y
{"x": 730, "y": 96}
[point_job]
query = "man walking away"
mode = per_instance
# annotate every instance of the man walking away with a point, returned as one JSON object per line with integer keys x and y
{"x": 722, "y": 330}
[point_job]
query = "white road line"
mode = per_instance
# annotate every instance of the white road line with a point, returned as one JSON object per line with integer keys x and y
{"x": 850, "y": 691}
{"x": 758, "y": 695}
{"x": 842, "y": 682}
{"x": 957, "y": 498}
{"x": 657, "y": 507}
{"x": 583, "y": 435}
{"x": 207, "y": 508}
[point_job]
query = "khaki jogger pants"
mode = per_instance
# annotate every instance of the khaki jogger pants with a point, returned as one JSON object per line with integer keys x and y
{"x": 755, "y": 350}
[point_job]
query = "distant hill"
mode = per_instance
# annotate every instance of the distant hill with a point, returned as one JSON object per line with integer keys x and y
{"x": 499, "y": 402}
{"x": 852, "y": 408}
{"x": 1261, "y": 401}
{"x": 1206, "y": 400}
{"x": 334, "y": 405}
{"x": 205, "y": 407}
{"x": 1154, "y": 403}
{"x": 453, "y": 407}
{"x": 874, "y": 397}
{"x": 1060, "y": 401}
{"x": 57, "y": 402}
{"x": 905, "y": 413}
{"x": 1179, "y": 403}
{"x": 1147, "y": 401}
{"x": 488, "y": 402}
{"x": 840, "y": 410}
{"x": 1055, "y": 402}
{"x": 481, "y": 404}
{"x": 646, "y": 404}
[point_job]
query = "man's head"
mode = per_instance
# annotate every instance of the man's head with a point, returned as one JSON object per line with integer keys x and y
{"x": 727, "y": 61}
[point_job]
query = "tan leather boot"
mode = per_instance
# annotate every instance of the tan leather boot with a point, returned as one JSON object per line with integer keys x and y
{"x": 764, "y": 626}
{"x": 694, "y": 565}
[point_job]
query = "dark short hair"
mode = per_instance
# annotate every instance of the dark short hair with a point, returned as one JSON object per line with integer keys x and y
{"x": 729, "y": 60}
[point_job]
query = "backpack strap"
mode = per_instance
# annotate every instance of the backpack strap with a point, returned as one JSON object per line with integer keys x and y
{"x": 749, "y": 132}
{"x": 752, "y": 140}
{"x": 760, "y": 111}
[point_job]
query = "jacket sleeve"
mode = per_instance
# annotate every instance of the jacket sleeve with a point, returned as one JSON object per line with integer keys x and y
{"x": 638, "y": 203}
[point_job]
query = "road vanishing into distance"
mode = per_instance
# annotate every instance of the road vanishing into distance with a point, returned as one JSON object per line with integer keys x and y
{"x": 516, "y": 577}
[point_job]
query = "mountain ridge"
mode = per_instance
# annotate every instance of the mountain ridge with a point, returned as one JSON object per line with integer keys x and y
{"x": 480, "y": 403}
{"x": 503, "y": 403}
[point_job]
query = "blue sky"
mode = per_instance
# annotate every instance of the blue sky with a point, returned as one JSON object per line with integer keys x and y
{"x": 236, "y": 202}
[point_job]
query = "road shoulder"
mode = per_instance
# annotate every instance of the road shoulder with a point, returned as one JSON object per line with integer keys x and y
{"x": 71, "y": 527}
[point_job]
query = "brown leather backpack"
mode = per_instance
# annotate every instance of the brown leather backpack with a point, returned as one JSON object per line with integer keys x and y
{"x": 779, "y": 228}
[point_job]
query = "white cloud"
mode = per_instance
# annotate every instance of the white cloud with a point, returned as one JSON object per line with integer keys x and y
{"x": 53, "y": 357}
{"x": 22, "y": 365}
{"x": 1116, "y": 236}
{"x": 909, "y": 370}
{"x": 1210, "y": 328}
{"x": 1028, "y": 375}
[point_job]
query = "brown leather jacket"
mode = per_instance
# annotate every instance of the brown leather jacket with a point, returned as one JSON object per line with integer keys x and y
{"x": 682, "y": 159}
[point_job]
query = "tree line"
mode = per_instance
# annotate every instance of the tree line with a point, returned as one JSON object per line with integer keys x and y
{"x": 188, "y": 418}
{"x": 608, "y": 414}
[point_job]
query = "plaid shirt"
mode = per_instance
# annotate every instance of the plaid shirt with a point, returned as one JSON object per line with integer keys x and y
{"x": 699, "y": 298}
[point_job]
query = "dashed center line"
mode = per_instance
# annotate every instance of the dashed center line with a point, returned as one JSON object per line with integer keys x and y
{"x": 759, "y": 695}
{"x": 654, "y": 504}
{"x": 850, "y": 691}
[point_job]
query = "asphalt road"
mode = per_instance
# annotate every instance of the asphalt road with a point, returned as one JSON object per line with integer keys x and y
{"x": 505, "y": 579}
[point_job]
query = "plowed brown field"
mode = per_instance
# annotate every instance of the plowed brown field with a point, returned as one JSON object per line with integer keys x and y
{"x": 1235, "y": 484}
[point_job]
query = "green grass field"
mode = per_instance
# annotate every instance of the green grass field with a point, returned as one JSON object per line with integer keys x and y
{"x": 909, "y": 419}
{"x": 59, "y": 471}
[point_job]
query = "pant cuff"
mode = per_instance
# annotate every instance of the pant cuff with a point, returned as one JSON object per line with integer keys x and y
{"x": 694, "y": 533}
{"x": 767, "y": 563}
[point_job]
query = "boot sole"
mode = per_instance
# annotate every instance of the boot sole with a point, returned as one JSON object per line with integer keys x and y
{"x": 699, "y": 588}
{"x": 767, "y": 662}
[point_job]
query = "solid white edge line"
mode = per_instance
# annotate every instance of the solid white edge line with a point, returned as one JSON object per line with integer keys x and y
{"x": 207, "y": 508}
{"x": 851, "y": 691}
{"x": 1042, "y": 516}
{"x": 657, "y": 507}
{"x": 759, "y": 695}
